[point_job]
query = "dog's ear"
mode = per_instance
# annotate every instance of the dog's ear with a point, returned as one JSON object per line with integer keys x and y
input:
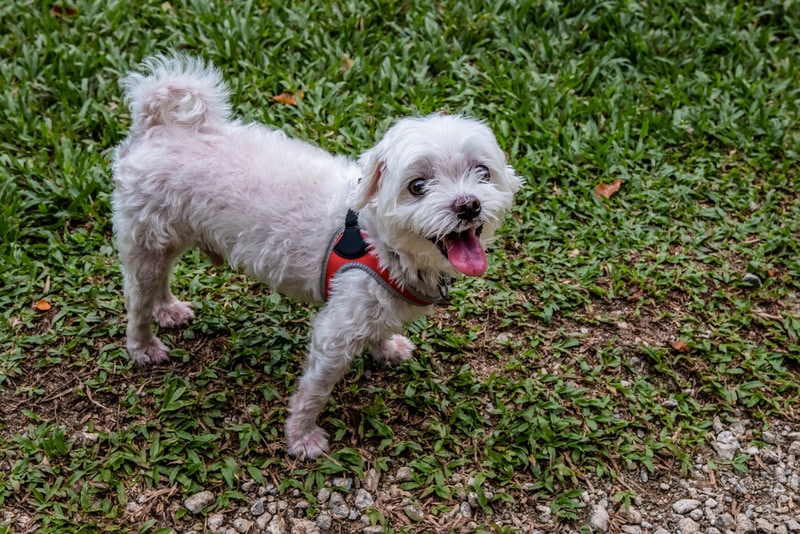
{"x": 513, "y": 179}
{"x": 372, "y": 168}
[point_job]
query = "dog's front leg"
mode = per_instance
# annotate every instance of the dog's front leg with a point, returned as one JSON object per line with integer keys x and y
{"x": 334, "y": 343}
{"x": 392, "y": 351}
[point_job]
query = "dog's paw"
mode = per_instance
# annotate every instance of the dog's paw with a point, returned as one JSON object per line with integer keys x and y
{"x": 394, "y": 350}
{"x": 152, "y": 353}
{"x": 174, "y": 314}
{"x": 309, "y": 445}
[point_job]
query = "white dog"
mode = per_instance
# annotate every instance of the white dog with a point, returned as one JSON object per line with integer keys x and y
{"x": 420, "y": 206}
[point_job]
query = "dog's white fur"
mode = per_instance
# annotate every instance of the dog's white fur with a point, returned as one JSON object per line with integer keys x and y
{"x": 189, "y": 176}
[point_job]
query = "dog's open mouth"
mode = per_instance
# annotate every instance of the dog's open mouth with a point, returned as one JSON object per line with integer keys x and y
{"x": 464, "y": 251}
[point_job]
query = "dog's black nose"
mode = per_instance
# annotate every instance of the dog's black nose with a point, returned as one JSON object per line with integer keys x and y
{"x": 467, "y": 207}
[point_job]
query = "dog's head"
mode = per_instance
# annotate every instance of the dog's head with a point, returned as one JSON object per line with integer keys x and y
{"x": 436, "y": 189}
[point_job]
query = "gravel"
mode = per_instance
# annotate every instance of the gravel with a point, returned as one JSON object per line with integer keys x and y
{"x": 716, "y": 498}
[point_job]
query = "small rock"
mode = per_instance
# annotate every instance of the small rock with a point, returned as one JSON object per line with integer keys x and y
{"x": 769, "y": 437}
{"x": 414, "y": 512}
{"x": 793, "y": 526}
{"x": 696, "y": 514}
{"x": 738, "y": 429}
{"x": 242, "y": 525}
{"x": 324, "y": 521}
{"x": 363, "y": 499}
{"x": 717, "y": 425}
{"x": 323, "y": 495}
{"x": 503, "y": 338}
{"x": 631, "y": 529}
{"x": 630, "y": 515}
{"x": 403, "y": 474}
{"x": 338, "y": 507}
{"x": 371, "y": 480}
{"x": 87, "y": 438}
{"x": 257, "y": 508}
{"x": 794, "y": 448}
{"x": 751, "y": 280}
{"x": 197, "y": 502}
{"x": 598, "y": 518}
{"x": 687, "y": 525}
{"x": 344, "y": 483}
{"x": 726, "y": 445}
{"x": 263, "y": 520}
{"x": 465, "y": 510}
{"x": 725, "y": 521}
{"x": 276, "y": 526}
{"x": 304, "y": 526}
{"x": 670, "y": 403}
{"x": 684, "y": 506}
{"x": 744, "y": 525}
{"x": 375, "y": 529}
{"x": 770, "y": 456}
{"x": 214, "y": 521}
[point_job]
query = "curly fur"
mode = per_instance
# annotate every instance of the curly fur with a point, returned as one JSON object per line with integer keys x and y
{"x": 189, "y": 176}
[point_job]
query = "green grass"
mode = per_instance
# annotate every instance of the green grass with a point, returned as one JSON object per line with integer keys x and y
{"x": 554, "y": 368}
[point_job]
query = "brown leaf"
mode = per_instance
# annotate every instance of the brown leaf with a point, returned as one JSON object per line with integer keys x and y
{"x": 606, "y": 190}
{"x": 680, "y": 346}
{"x": 42, "y": 305}
{"x": 636, "y": 296}
{"x": 288, "y": 99}
{"x": 63, "y": 11}
{"x": 347, "y": 63}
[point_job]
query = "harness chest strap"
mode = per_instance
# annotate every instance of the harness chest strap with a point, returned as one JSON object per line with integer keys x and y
{"x": 349, "y": 250}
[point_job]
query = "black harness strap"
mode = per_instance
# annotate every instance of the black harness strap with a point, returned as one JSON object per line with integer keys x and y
{"x": 352, "y": 244}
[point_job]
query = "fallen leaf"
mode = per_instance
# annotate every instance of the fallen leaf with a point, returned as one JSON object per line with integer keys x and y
{"x": 42, "y": 305}
{"x": 606, "y": 190}
{"x": 63, "y": 11}
{"x": 680, "y": 346}
{"x": 347, "y": 63}
{"x": 288, "y": 99}
{"x": 636, "y": 296}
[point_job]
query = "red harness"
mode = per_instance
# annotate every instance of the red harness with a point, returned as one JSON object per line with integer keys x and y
{"x": 350, "y": 250}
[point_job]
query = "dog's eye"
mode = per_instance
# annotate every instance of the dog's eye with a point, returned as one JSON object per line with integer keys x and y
{"x": 417, "y": 187}
{"x": 483, "y": 173}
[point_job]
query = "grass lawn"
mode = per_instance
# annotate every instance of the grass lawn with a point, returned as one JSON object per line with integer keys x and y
{"x": 606, "y": 336}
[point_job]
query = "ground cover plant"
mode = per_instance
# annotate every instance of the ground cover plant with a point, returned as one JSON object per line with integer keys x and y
{"x": 609, "y": 333}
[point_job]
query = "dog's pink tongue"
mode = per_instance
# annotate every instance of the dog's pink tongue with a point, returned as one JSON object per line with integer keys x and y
{"x": 465, "y": 252}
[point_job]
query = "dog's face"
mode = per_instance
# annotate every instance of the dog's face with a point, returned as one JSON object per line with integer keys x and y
{"x": 437, "y": 188}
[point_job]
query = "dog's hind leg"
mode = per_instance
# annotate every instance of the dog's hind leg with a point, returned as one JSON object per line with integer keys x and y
{"x": 147, "y": 295}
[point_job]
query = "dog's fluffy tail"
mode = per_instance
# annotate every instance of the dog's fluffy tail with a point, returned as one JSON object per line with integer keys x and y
{"x": 178, "y": 91}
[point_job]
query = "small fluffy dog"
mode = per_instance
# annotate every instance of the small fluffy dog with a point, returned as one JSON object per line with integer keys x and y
{"x": 414, "y": 211}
